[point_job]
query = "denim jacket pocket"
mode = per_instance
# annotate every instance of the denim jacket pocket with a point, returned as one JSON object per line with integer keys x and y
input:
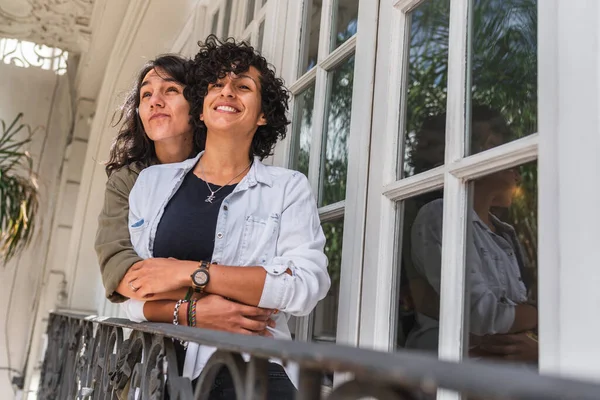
{"x": 136, "y": 232}
{"x": 259, "y": 240}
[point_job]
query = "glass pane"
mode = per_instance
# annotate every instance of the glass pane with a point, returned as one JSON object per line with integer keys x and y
{"x": 325, "y": 314}
{"x": 311, "y": 35}
{"x": 303, "y": 128}
{"x": 249, "y": 12}
{"x": 424, "y": 133}
{"x": 419, "y": 262}
{"x": 261, "y": 35}
{"x": 504, "y": 69}
{"x": 226, "y": 19}
{"x": 502, "y": 266}
{"x": 346, "y": 21}
{"x": 215, "y": 23}
{"x": 334, "y": 165}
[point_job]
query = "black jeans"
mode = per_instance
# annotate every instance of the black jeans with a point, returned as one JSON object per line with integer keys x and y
{"x": 280, "y": 386}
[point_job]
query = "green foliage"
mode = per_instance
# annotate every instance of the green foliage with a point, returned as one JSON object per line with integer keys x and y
{"x": 18, "y": 189}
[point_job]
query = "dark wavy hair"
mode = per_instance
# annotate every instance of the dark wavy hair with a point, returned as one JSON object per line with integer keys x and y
{"x": 214, "y": 61}
{"x": 131, "y": 144}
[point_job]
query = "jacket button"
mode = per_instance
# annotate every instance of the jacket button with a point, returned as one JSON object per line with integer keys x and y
{"x": 225, "y": 208}
{"x": 219, "y": 235}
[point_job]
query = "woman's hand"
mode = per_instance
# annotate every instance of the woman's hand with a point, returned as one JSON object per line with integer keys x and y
{"x": 218, "y": 313}
{"x": 515, "y": 347}
{"x": 152, "y": 279}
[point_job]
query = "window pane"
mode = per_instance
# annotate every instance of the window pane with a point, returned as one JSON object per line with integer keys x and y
{"x": 325, "y": 314}
{"x": 504, "y": 69}
{"x": 303, "y": 128}
{"x": 346, "y": 21}
{"x": 226, "y": 19}
{"x": 215, "y": 23}
{"x": 419, "y": 262}
{"x": 311, "y": 35}
{"x": 424, "y": 135}
{"x": 249, "y": 12}
{"x": 261, "y": 35}
{"x": 335, "y": 140}
{"x": 502, "y": 266}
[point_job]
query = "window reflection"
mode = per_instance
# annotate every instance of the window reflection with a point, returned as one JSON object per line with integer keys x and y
{"x": 227, "y": 18}
{"x": 311, "y": 30}
{"x": 261, "y": 35}
{"x": 502, "y": 265}
{"x": 250, "y": 12}
{"x": 427, "y": 81}
{"x": 346, "y": 22}
{"x": 419, "y": 301}
{"x": 325, "y": 314}
{"x": 304, "y": 103}
{"x": 215, "y": 23}
{"x": 339, "y": 108}
{"x": 501, "y": 254}
{"x": 504, "y": 63}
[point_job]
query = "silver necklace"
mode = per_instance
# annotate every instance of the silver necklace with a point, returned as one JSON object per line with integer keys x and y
{"x": 210, "y": 198}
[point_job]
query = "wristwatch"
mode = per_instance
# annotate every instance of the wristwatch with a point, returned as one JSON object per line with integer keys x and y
{"x": 201, "y": 277}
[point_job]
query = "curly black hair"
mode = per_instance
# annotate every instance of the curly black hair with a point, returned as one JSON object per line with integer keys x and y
{"x": 214, "y": 61}
{"x": 131, "y": 144}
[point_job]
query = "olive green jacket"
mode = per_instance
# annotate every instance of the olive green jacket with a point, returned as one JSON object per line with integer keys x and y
{"x": 113, "y": 245}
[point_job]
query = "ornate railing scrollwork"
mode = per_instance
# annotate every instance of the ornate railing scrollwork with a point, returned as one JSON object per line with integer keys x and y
{"x": 93, "y": 358}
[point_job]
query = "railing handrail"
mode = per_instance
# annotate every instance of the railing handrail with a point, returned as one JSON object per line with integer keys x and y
{"x": 406, "y": 367}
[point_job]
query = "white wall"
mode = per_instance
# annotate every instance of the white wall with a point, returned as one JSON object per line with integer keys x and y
{"x": 45, "y": 100}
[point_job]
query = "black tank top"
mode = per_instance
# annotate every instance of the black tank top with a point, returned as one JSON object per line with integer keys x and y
{"x": 186, "y": 230}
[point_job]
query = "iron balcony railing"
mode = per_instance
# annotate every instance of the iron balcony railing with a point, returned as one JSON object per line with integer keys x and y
{"x": 90, "y": 358}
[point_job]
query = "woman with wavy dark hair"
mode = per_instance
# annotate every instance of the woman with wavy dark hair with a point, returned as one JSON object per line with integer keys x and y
{"x": 139, "y": 144}
{"x": 232, "y": 226}
{"x": 155, "y": 128}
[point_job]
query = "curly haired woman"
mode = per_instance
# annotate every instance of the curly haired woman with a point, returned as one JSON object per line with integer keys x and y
{"x": 223, "y": 223}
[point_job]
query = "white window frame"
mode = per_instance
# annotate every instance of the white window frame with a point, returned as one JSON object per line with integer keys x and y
{"x": 380, "y": 286}
{"x": 353, "y": 207}
{"x": 569, "y": 100}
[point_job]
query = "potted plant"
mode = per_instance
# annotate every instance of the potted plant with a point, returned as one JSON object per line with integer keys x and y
{"x": 19, "y": 195}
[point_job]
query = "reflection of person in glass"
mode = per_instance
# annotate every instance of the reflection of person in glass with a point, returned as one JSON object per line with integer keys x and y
{"x": 500, "y": 317}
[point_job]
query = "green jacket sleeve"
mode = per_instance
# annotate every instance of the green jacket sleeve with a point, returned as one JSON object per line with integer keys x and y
{"x": 113, "y": 244}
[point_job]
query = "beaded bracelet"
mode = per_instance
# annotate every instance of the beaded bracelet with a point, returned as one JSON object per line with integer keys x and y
{"x": 176, "y": 316}
{"x": 192, "y": 313}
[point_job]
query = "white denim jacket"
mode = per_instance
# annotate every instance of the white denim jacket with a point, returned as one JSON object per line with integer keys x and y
{"x": 494, "y": 281}
{"x": 269, "y": 220}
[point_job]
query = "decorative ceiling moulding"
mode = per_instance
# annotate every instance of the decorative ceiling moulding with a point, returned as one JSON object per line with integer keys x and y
{"x": 64, "y": 24}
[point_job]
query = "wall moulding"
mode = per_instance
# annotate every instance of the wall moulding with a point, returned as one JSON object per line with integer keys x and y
{"x": 56, "y": 23}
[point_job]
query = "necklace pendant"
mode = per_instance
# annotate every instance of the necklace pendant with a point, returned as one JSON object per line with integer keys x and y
{"x": 209, "y": 199}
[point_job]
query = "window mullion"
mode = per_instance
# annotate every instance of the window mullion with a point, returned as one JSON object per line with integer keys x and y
{"x": 452, "y": 293}
{"x": 380, "y": 242}
{"x": 319, "y": 112}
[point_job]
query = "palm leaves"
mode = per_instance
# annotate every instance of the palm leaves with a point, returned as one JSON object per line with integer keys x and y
{"x": 18, "y": 189}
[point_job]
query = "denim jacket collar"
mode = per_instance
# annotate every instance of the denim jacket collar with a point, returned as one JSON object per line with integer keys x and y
{"x": 258, "y": 172}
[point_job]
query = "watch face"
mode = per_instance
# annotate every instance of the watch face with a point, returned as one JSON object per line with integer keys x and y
{"x": 200, "y": 277}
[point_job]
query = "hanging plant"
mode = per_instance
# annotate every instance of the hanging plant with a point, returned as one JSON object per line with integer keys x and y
{"x": 18, "y": 189}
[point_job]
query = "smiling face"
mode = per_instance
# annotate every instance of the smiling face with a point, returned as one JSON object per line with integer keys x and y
{"x": 163, "y": 109}
{"x": 233, "y": 104}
